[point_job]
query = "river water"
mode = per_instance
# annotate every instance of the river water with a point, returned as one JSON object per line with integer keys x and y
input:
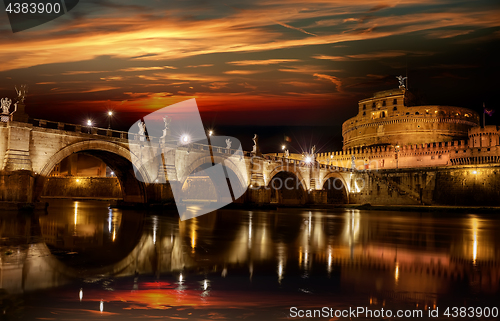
{"x": 85, "y": 260}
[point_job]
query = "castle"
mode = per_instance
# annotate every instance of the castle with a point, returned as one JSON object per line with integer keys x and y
{"x": 389, "y": 134}
{"x": 408, "y": 154}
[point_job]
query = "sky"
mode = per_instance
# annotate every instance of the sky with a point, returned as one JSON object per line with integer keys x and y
{"x": 251, "y": 63}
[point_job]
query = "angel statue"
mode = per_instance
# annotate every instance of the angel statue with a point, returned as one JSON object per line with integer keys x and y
{"x": 313, "y": 149}
{"x": 401, "y": 81}
{"x": 6, "y": 102}
{"x": 255, "y": 142}
{"x": 167, "y": 120}
{"x": 22, "y": 91}
{"x": 228, "y": 143}
{"x": 142, "y": 128}
{"x": 287, "y": 153}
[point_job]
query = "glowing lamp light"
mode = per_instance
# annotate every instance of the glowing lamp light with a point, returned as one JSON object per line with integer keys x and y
{"x": 77, "y": 180}
{"x": 89, "y": 122}
{"x": 474, "y": 172}
{"x": 112, "y": 173}
{"x": 308, "y": 159}
{"x": 185, "y": 139}
{"x": 110, "y": 113}
{"x": 81, "y": 294}
{"x": 210, "y": 132}
{"x": 283, "y": 147}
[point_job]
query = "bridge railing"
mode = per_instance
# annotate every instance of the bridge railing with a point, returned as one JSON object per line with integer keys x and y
{"x": 78, "y": 128}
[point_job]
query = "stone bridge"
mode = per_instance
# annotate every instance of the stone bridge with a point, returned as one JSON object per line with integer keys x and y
{"x": 31, "y": 149}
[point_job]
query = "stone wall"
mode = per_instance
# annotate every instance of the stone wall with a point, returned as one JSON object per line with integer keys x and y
{"x": 474, "y": 185}
{"x": 91, "y": 187}
{"x": 16, "y": 186}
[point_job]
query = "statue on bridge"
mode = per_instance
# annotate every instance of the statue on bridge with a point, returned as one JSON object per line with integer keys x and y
{"x": 166, "y": 120}
{"x": 6, "y": 103}
{"x": 142, "y": 130}
{"x": 228, "y": 143}
{"x": 21, "y": 93}
{"x": 256, "y": 149}
{"x": 287, "y": 153}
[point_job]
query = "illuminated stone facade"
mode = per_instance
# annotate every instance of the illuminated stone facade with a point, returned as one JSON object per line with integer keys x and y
{"x": 385, "y": 120}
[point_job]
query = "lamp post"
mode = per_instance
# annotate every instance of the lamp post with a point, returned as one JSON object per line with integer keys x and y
{"x": 396, "y": 150}
{"x": 89, "y": 125}
{"x": 110, "y": 114}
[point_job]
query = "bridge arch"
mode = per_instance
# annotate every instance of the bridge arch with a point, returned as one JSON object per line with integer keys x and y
{"x": 205, "y": 162}
{"x": 287, "y": 186}
{"x": 116, "y": 156}
{"x": 336, "y": 187}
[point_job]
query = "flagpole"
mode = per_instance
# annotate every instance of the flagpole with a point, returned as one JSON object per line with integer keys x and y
{"x": 484, "y": 116}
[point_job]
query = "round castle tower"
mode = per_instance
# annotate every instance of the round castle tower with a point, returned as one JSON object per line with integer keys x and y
{"x": 384, "y": 119}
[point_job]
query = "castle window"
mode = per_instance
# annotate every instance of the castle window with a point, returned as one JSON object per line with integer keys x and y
{"x": 373, "y": 105}
{"x": 417, "y": 113}
{"x": 364, "y": 106}
{"x": 364, "y": 113}
{"x": 382, "y": 115}
{"x": 383, "y": 103}
{"x": 407, "y": 113}
{"x": 395, "y": 101}
{"x": 395, "y": 108}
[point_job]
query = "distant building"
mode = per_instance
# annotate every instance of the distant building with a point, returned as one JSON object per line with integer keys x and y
{"x": 385, "y": 120}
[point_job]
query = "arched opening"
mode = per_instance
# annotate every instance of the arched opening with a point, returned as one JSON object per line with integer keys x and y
{"x": 336, "y": 191}
{"x": 286, "y": 188}
{"x": 115, "y": 157}
{"x": 81, "y": 175}
{"x": 205, "y": 185}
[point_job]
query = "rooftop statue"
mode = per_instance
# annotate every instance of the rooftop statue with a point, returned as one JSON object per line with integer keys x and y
{"x": 228, "y": 143}
{"x": 401, "y": 81}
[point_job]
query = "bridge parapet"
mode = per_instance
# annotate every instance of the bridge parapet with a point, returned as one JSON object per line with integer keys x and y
{"x": 78, "y": 128}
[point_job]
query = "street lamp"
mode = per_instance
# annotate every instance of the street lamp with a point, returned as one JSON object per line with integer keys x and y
{"x": 283, "y": 147}
{"x": 110, "y": 114}
{"x": 185, "y": 139}
{"x": 89, "y": 124}
{"x": 210, "y": 132}
{"x": 396, "y": 150}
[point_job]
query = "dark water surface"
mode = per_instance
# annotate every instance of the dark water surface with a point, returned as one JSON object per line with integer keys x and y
{"x": 245, "y": 265}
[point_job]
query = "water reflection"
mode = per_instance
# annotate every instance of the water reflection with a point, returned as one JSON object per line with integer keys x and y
{"x": 377, "y": 255}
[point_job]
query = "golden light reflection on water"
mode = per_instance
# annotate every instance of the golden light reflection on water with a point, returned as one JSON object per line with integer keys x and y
{"x": 474, "y": 237}
{"x": 367, "y": 249}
